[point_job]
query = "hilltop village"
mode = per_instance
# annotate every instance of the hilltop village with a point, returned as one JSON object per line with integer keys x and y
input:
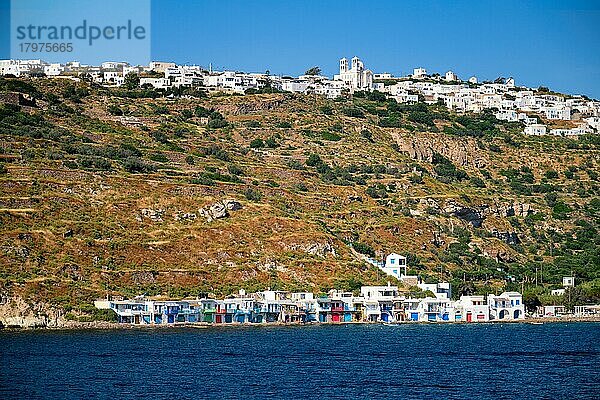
{"x": 541, "y": 111}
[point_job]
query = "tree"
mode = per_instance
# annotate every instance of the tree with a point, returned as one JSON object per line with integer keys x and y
{"x": 531, "y": 301}
{"x": 314, "y": 160}
{"x": 132, "y": 81}
{"x": 257, "y": 143}
{"x": 313, "y": 71}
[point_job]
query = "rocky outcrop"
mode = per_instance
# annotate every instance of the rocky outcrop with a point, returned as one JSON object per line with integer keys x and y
{"x": 510, "y": 210}
{"x": 16, "y": 313}
{"x": 243, "y": 108}
{"x": 219, "y": 210}
{"x": 153, "y": 215}
{"x": 475, "y": 216}
{"x": 507, "y": 237}
{"x": 461, "y": 151}
{"x": 314, "y": 248}
{"x": 181, "y": 216}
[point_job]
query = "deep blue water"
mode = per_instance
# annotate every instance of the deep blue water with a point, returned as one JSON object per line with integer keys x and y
{"x": 509, "y": 361}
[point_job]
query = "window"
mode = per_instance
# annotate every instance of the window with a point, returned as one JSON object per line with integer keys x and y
{"x": 518, "y": 302}
{"x": 392, "y": 261}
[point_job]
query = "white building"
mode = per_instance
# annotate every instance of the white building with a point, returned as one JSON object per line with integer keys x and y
{"x": 557, "y": 112}
{"x": 568, "y": 281}
{"x": 442, "y": 290}
{"x": 157, "y": 83}
{"x": 357, "y": 77}
{"x": 160, "y": 66}
{"x": 384, "y": 75}
{"x": 395, "y": 265}
{"x": 451, "y": 76}
{"x": 507, "y": 306}
{"x": 473, "y": 309}
{"x": 54, "y": 69}
{"x": 419, "y": 73}
{"x": 507, "y": 115}
{"x": 535, "y": 130}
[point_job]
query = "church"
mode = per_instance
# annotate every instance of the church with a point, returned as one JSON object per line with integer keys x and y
{"x": 357, "y": 77}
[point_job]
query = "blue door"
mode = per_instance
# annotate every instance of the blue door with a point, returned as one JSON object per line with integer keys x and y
{"x": 445, "y": 317}
{"x": 414, "y": 316}
{"x": 171, "y": 319}
{"x": 384, "y": 317}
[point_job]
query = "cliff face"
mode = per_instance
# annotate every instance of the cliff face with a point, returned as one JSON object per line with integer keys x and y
{"x": 16, "y": 312}
{"x": 281, "y": 191}
{"x": 463, "y": 152}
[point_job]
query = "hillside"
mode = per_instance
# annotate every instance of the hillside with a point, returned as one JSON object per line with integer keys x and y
{"x": 108, "y": 191}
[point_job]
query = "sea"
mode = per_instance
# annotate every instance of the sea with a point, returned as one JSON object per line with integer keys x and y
{"x": 409, "y": 361}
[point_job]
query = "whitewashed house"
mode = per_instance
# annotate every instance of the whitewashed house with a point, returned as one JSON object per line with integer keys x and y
{"x": 419, "y": 73}
{"x": 472, "y": 309}
{"x": 395, "y": 265}
{"x": 157, "y": 83}
{"x": 507, "y": 306}
{"x": 557, "y": 112}
{"x": 535, "y": 130}
{"x": 451, "y": 76}
{"x": 441, "y": 290}
{"x": 507, "y": 115}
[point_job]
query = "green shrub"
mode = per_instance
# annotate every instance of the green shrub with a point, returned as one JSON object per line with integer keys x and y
{"x": 271, "y": 143}
{"x": 295, "y": 164}
{"x": 314, "y": 160}
{"x": 136, "y": 165}
{"x": 114, "y": 109}
{"x": 235, "y": 170}
{"x": 327, "y": 110}
{"x": 363, "y": 248}
{"x": 159, "y": 157}
{"x": 253, "y": 124}
{"x": 365, "y": 133}
{"x": 377, "y": 191}
{"x": 334, "y": 137}
{"x": 253, "y": 194}
{"x": 353, "y": 112}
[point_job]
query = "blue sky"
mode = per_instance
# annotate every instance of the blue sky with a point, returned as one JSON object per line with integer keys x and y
{"x": 552, "y": 43}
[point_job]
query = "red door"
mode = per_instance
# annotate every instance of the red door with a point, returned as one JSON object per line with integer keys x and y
{"x": 469, "y": 317}
{"x": 219, "y": 319}
{"x": 336, "y": 317}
